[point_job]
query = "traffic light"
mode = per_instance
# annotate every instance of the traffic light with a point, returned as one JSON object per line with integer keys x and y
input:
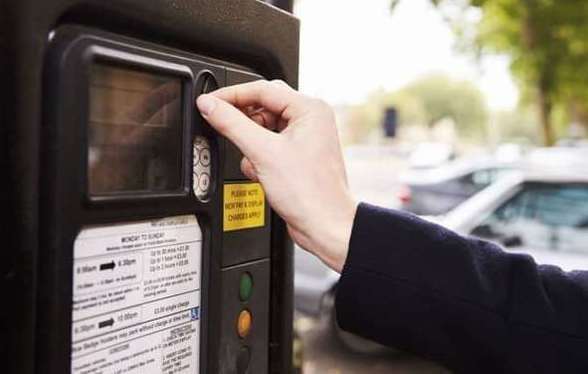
{"x": 390, "y": 123}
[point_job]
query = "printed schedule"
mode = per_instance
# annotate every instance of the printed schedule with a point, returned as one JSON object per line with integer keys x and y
{"x": 136, "y": 298}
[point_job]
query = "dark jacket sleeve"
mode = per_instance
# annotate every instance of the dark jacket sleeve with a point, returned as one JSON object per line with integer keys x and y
{"x": 462, "y": 302}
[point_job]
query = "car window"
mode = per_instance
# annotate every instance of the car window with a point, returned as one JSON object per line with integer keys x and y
{"x": 477, "y": 180}
{"x": 470, "y": 183}
{"x": 485, "y": 177}
{"x": 542, "y": 216}
{"x": 459, "y": 184}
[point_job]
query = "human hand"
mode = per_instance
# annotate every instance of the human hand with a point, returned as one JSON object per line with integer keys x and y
{"x": 291, "y": 146}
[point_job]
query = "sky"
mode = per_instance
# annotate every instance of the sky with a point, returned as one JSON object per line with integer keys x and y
{"x": 349, "y": 48}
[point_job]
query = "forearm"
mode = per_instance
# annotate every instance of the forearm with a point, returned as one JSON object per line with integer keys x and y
{"x": 463, "y": 302}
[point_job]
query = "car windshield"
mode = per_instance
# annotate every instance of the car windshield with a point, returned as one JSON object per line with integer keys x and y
{"x": 541, "y": 216}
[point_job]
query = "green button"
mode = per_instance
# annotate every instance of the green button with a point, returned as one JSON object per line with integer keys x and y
{"x": 245, "y": 286}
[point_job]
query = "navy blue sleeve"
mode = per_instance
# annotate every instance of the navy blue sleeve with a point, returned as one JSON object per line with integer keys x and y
{"x": 462, "y": 302}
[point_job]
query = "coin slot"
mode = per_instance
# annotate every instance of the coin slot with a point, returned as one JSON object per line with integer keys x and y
{"x": 206, "y": 83}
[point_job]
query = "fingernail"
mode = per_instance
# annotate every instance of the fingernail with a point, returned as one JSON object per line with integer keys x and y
{"x": 206, "y": 104}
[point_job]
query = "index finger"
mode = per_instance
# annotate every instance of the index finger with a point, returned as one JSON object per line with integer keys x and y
{"x": 279, "y": 99}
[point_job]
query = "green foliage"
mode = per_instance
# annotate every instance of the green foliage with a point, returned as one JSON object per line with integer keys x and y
{"x": 547, "y": 41}
{"x": 364, "y": 120}
{"x": 423, "y": 103}
{"x": 515, "y": 125}
{"x": 394, "y": 4}
{"x": 441, "y": 97}
{"x": 541, "y": 36}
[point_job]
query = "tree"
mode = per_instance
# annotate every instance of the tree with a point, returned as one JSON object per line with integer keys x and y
{"x": 423, "y": 102}
{"x": 436, "y": 95}
{"x": 547, "y": 42}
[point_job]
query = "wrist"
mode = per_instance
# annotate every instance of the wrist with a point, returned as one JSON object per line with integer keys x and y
{"x": 333, "y": 234}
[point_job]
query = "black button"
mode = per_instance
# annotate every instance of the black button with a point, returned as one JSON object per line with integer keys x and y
{"x": 243, "y": 360}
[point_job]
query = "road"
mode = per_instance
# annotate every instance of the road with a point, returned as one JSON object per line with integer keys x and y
{"x": 323, "y": 354}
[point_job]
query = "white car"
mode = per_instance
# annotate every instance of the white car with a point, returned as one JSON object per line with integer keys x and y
{"x": 544, "y": 214}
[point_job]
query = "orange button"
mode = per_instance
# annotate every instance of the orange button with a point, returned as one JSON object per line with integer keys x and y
{"x": 244, "y": 323}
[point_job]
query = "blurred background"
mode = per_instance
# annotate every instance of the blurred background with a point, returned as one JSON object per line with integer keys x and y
{"x": 470, "y": 113}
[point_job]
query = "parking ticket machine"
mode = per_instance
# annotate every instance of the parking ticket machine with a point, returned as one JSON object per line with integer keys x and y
{"x": 132, "y": 242}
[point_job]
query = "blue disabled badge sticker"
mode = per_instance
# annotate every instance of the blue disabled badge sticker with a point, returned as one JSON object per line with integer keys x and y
{"x": 195, "y": 313}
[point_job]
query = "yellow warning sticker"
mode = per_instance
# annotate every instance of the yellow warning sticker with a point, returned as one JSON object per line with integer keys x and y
{"x": 244, "y": 206}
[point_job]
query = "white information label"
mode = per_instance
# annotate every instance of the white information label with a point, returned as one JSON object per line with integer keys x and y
{"x": 136, "y": 298}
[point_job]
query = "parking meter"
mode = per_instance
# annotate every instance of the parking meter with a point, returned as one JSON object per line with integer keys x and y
{"x": 132, "y": 241}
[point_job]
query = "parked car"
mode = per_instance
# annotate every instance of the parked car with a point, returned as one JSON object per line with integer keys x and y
{"x": 544, "y": 214}
{"x": 436, "y": 192}
{"x": 442, "y": 189}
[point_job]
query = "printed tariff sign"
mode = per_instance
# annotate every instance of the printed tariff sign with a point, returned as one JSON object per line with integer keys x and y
{"x": 244, "y": 206}
{"x": 136, "y": 297}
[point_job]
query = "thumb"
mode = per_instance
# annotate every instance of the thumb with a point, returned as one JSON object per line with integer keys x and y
{"x": 248, "y": 136}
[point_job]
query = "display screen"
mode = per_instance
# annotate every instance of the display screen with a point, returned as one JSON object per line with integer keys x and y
{"x": 135, "y": 131}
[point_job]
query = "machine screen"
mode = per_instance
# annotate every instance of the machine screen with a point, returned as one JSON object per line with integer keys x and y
{"x": 135, "y": 131}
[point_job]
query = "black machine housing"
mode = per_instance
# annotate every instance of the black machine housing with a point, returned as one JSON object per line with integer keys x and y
{"x": 46, "y": 49}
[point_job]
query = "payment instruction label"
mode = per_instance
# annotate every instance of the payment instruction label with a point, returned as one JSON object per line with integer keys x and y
{"x": 244, "y": 206}
{"x": 136, "y": 298}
